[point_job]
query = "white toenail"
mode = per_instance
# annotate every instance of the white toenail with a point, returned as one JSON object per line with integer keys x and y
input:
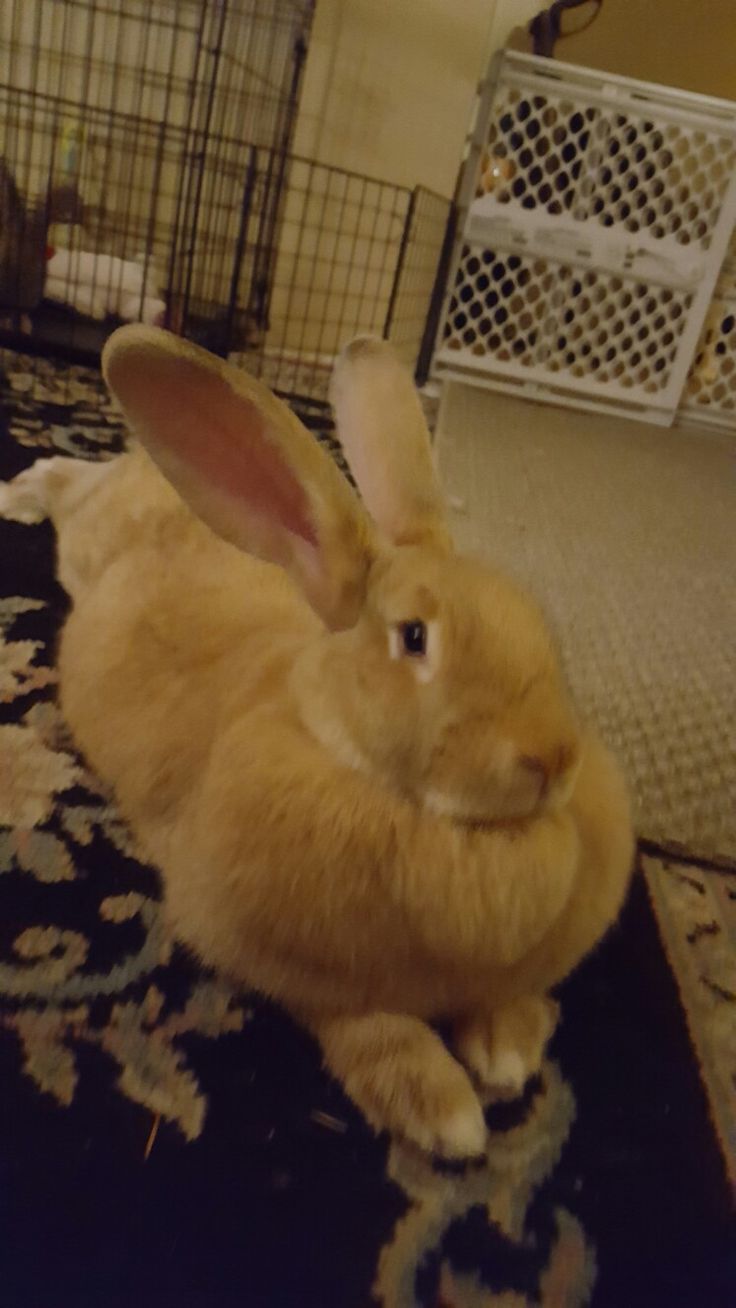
{"x": 464, "y": 1133}
{"x": 507, "y": 1068}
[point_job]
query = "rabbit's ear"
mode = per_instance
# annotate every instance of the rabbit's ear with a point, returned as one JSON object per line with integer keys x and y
{"x": 245, "y": 464}
{"x": 382, "y": 428}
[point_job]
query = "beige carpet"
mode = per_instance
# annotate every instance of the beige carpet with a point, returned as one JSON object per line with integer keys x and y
{"x": 627, "y": 534}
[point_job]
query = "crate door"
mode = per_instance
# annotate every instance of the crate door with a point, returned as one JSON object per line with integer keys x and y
{"x": 596, "y": 214}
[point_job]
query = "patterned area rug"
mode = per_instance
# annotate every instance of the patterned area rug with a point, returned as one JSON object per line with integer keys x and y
{"x": 165, "y": 1141}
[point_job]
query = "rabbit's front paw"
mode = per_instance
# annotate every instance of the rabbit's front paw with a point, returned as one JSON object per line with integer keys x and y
{"x": 402, "y": 1078}
{"x": 505, "y": 1048}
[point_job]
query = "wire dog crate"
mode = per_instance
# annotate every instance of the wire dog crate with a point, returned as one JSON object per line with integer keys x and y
{"x": 595, "y": 215}
{"x": 127, "y": 131}
{"x": 356, "y": 255}
{"x": 146, "y": 173}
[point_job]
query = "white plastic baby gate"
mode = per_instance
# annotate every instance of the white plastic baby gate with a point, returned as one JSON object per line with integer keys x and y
{"x": 595, "y": 215}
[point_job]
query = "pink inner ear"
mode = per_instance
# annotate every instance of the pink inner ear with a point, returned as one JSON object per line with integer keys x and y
{"x": 220, "y": 436}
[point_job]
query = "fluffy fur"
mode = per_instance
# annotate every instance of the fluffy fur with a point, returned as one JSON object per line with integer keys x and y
{"x": 374, "y": 839}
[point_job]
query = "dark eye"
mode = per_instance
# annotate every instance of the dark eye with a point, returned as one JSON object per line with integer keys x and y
{"x": 414, "y": 638}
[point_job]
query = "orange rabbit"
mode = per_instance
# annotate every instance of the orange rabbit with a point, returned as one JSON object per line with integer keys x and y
{"x": 348, "y": 749}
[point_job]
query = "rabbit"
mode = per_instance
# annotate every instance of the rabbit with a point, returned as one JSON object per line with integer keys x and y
{"x": 349, "y": 750}
{"x": 22, "y": 254}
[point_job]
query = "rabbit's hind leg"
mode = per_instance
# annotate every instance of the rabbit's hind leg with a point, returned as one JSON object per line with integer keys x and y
{"x": 50, "y": 488}
{"x": 64, "y": 490}
{"x": 25, "y": 499}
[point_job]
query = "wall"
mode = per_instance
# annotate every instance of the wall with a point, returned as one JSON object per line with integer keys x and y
{"x": 389, "y": 84}
{"x": 690, "y": 44}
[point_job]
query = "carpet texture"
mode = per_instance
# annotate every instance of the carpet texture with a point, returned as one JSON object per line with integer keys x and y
{"x": 166, "y": 1141}
{"x": 626, "y": 534}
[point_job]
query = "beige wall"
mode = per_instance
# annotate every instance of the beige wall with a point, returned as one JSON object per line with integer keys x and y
{"x": 690, "y": 44}
{"x": 389, "y": 84}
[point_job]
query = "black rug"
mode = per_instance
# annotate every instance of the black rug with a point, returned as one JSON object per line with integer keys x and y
{"x": 164, "y": 1141}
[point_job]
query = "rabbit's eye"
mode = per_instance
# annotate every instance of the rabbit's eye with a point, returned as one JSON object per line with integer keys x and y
{"x": 414, "y": 638}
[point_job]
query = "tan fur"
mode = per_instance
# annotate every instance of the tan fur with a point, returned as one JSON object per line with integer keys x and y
{"x": 283, "y": 775}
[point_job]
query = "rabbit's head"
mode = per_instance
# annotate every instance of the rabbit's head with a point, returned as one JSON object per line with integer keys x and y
{"x": 433, "y": 673}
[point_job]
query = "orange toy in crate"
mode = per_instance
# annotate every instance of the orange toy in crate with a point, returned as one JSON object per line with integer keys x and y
{"x": 495, "y": 172}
